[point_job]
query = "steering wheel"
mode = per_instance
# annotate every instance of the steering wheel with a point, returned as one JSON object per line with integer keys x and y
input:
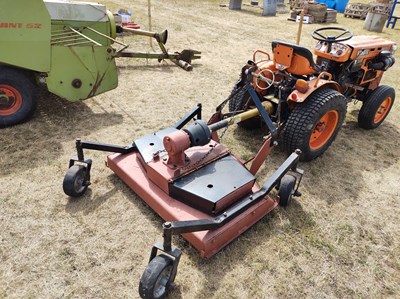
{"x": 344, "y": 34}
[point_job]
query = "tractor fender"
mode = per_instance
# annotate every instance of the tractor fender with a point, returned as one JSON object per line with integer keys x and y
{"x": 299, "y": 96}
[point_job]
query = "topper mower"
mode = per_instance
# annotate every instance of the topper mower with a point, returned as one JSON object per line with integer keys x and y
{"x": 309, "y": 99}
{"x": 68, "y": 47}
{"x": 184, "y": 174}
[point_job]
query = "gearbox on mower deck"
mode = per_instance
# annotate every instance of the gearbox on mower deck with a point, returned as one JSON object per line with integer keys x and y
{"x": 185, "y": 175}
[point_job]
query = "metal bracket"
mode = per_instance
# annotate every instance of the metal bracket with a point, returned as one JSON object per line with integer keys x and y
{"x": 181, "y": 227}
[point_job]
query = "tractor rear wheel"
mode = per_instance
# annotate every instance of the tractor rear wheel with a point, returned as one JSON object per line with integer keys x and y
{"x": 17, "y": 97}
{"x": 376, "y": 107}
{"x": 239, "y": 100}
{"x": 313, "y": 125}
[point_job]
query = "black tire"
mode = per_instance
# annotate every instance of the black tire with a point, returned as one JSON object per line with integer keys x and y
{"x": 17, "y": 97}
{"x": 376, "y": 107}
{"x": 238, "y": 100}
{"x": 286, "y": 190}
{"x": 313, "y": 125}
{"x": 157, "y": 278}
{"x": 75, "y": 181}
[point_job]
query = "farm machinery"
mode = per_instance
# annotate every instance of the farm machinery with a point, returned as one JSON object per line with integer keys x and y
{"x": 68, "y": 47}
{"x": 188, "y": 177}
{"x": 309, "y": 99}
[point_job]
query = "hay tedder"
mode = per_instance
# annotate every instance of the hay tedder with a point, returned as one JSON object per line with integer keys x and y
{"x": 67, "y": 46}
{"x": 309, "y": 99}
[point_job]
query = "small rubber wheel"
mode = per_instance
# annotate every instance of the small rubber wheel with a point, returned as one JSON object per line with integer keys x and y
{"x": 17, "y": 97}
{"x": 240, "y": 99}
{"x": 376, "y": 107}
{"x": 157, "y": 278}
{"x": 286, "y": 190}
{"x": 75, "y": 184}
{"x": 313, "y": 125}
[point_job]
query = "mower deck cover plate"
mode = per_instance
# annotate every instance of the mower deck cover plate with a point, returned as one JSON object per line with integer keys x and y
{"x": 129, "y": 168}
{"x": 215, "y": 186}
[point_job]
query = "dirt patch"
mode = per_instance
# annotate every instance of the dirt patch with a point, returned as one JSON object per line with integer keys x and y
{"x": 339, "y": 240}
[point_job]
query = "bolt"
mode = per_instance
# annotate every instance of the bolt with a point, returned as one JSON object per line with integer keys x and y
{"x": 298, "y": 151}
{"x": 225, "y": 214}
{"x": 167, "y": 225}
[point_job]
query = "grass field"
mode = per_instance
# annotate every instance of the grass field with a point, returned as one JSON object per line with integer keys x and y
{"x": 340, "y": 239}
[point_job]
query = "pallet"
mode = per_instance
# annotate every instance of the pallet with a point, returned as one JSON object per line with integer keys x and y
{"x": 356, "y": 10}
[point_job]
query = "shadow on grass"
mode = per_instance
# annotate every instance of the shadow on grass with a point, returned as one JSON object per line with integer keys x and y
{"x": 39, "y": 140}
{"x": 166, "y": 66}
{"x": 340, "y": 169}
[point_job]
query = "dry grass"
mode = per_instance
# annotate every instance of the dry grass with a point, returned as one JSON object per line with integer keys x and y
{"x": 341, "y": 239}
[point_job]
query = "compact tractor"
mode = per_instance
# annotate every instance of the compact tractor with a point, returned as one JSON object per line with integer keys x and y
{"x": 67, "y": 46}
{"x": 308, "y": 99}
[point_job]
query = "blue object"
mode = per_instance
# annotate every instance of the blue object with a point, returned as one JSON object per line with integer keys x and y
{"x": 341, "y": 5}
{"x": 331, "y": 3}
{"x": 321, "y": 1}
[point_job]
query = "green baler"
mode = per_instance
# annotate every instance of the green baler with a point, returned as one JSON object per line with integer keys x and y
{"x": 66, "y": 45}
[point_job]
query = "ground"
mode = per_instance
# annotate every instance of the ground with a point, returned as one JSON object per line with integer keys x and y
{"x": 340, "y": 239}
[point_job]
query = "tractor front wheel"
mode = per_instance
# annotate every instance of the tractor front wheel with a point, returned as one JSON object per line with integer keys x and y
{"x": 157, "y": 278}
{"x": 17, "y": 97}
{"x": 313, "y": 125}
{"x": 376, "y": 107}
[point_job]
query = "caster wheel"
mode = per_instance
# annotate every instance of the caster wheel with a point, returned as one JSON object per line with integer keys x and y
{"x": 157, "y": 278}
{"x": 75, "y": 181}
{"x": 286, "y": 190}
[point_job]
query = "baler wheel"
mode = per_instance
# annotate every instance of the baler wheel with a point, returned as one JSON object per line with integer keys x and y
{"x": 17, "y": 97}
{"x": 75, "y": 181}
{"x": 313, "y": 125}
{"x": 239, "y": 100}
{"x": 376, "y": 107}
{"x": 286, "y": 190}
{"x": 157, "y": 278}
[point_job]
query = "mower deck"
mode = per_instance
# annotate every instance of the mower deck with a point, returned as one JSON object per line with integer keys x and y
{"x": 129, "y": 168}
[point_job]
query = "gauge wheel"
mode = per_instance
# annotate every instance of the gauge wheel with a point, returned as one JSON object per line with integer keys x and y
{"x": 239, "y": 101}
{"x": 313, "y": 125}
{"x": 376, "y": 107}
{"x": 75, "y": 181}
{"x": 157, "y": 278}
{"x": 286, "y": 190}
{"x": 17, "y": 97}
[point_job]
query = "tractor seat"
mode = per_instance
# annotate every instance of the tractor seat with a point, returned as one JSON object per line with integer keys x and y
{"x": 295, "y": 59}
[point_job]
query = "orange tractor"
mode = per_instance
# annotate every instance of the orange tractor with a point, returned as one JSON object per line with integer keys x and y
{"x": 308, "y": 100}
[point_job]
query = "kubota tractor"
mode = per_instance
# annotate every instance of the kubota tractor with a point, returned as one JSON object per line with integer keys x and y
{"x": 308, "y": 100}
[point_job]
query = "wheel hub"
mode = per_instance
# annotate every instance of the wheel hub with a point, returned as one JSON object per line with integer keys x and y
{"x": 5, "y": 100}
{"x": 10, "y": 100}
{"x": 383, "y": 110}
{"x": 324, "y": 129}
